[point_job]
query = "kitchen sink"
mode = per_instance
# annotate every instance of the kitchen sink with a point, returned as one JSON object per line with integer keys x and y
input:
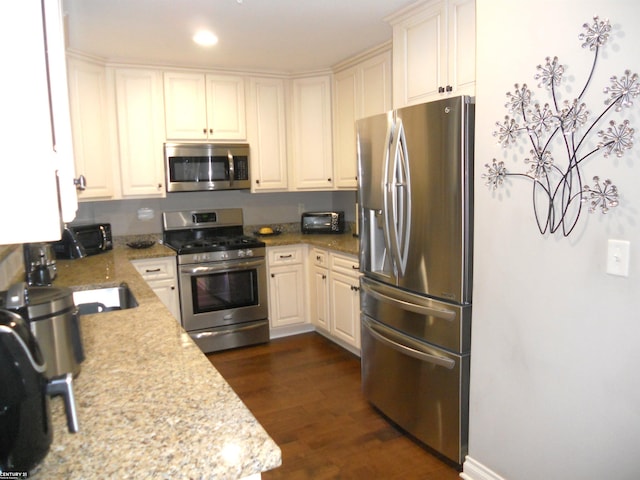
{"x": 104, "y": 299}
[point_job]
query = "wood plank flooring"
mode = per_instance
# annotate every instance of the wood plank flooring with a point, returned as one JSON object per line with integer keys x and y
{"x": 305, "y": 391}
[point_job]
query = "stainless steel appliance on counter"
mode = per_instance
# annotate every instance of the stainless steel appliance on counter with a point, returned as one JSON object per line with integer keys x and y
{"x": 222, "y": 278}
{"x": 416, "y": 219}
{"x": 322, "y": 222}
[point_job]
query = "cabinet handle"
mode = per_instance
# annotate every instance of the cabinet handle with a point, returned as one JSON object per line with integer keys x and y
{"x": 318, "y": 258}
{"x": 354, "y": 289}
{"x": 285, "y": 256}
{"x": 449, "y": 88}
{"x": 155, "y": 270}
{"x": 355, "y": 267}
{"x": 440, "y": 89}
{"x": 324, "y": 277}
{"x": 80, "y": 183}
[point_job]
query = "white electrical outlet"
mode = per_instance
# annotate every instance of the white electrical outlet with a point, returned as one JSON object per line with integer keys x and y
{"x": 618, "y": 257}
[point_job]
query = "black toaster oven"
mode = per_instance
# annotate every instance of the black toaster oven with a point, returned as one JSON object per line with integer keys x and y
{"x": 322, "y": 222}
{"x": 94, "y": 238}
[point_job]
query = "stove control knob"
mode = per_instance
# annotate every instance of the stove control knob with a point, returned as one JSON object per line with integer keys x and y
{"x": 249, "y": 252}
{"x": 241, "y": 253}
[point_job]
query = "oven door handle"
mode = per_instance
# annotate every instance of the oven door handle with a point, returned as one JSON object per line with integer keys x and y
{"x": 216, "y": 333}
{"x": 222, "y": 266}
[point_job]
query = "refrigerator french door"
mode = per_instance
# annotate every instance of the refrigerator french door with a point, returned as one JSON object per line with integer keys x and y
{"x": 415, "y": 190}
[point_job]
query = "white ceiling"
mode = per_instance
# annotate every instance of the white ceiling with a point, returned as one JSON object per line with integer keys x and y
{"x": 269, "y": 35}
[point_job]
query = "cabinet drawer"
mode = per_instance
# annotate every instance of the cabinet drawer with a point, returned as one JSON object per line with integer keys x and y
{"x": 319, "y": 257}
{"x": 284, "y": 255}
{"x": 156, "y": 268}
{"x": 347, "y": 264}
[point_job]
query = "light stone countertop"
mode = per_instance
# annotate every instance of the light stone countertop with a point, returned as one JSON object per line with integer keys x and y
{"x": 150, "y": 404}
{"x": 344, "y": 242}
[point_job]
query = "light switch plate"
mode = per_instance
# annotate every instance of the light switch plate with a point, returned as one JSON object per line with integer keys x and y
{"x": 618, "y": 257}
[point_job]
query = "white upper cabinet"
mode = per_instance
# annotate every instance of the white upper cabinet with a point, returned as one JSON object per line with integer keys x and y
{"x": 33, "y": 140}
{"x": 92, "y": 138}
{"x": 140, "y": 117}
{"x": 204, "y": 107}
{"x": 360, "y": 90}
{"x": 311, "y": 162}
{"x": 266, "y": 134}
{"x": 433, "y": 51}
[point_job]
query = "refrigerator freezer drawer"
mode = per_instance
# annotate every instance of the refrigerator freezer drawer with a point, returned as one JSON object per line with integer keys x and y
{"x": 440, "y": 323}
{"x": 423, "y": 389}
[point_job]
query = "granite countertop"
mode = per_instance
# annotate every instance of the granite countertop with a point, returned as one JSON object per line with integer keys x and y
{"x": 150, "y": 404}
{"x": 344, "y": 242}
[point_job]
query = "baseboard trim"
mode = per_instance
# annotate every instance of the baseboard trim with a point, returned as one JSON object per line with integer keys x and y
{"x": 474, "y": 470}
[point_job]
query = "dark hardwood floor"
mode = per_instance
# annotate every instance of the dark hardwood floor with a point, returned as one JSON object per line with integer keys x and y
{"x": 305, "y": 391}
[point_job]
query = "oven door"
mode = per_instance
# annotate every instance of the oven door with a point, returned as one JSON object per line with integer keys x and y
{"x": 223, "y": 293}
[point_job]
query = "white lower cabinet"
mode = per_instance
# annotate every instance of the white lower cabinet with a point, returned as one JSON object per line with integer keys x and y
{"x": 335, "y": 296}
{"x": 287, "y": 293}
{"x": 161, "y": 275}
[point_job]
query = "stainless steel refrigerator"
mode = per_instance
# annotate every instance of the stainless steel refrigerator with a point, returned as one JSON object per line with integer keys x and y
{"x": 415, "y": 186}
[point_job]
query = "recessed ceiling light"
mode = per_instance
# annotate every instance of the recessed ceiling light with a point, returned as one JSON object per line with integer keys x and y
{"x": 205, "y": 38}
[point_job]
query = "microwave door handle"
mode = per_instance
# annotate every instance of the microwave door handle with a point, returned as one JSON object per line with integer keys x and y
{"x": 231, "y": 167}
{"x": 103, "y": 232}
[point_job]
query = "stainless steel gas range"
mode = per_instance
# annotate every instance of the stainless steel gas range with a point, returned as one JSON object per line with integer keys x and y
{"x": 222, "y": 278}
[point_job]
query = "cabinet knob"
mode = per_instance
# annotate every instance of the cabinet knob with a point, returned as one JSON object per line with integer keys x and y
{"x": 159, "y": 186}
{"x": 80, "y": 183}
{"x": 204, "y": 130}
{"x": 449, "y": 88}
{"x": 257, "y": 182}
{"x": 273, "y": 275}
{"x": 328, "y": 179}
{"x": 173, "y": 287}
{"x": 440, "y": 89}
{"x": 324, "y": 277}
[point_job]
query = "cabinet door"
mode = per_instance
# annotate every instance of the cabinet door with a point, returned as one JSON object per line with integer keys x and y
{"x": 167, "y": 292}
{"x": 462, "y": 46}
{"x": 375, "y": 86}
{"x": 266, "y": 132}
{"x": 140, "y": 131}
{"x": 419, "y": 56}
{"x": 185, "y": 106}
{"x": 345, "y": 308}
{"x": 286, "y": 296}
{"x": 28, "y": 189}
{"x": 312, "y": 156}
{"x": 90, "y": 116}
{"x": 60, "y": 114}
{"x": 346, "y": 110}
{"x": 319, "y": 298}
{"x": 226, "y": 117}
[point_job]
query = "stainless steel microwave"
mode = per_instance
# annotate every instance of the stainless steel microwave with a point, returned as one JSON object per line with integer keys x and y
{"x": 194, "y": 167}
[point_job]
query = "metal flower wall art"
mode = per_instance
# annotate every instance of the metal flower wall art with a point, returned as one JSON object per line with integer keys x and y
{"x": 559, "y": 189}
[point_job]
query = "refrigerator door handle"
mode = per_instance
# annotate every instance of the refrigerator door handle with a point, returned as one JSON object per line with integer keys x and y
{"x": 378, "y": 333}
{"x": 411, "y": 307}
{"x": 397, "y": 197}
